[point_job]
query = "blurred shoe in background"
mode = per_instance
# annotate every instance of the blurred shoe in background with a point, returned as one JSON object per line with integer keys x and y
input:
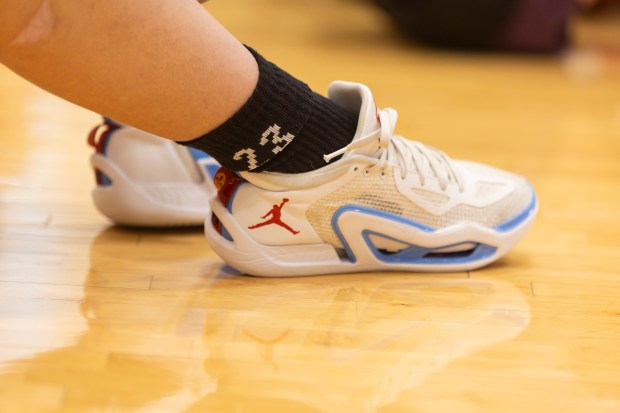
{"x": 144, "y": 180}
{"x": 539, "y": 26}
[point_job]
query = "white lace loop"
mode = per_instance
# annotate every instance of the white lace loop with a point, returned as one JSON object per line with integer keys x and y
{"x": 382, "y": 136}
{"x": 408, "y": 155}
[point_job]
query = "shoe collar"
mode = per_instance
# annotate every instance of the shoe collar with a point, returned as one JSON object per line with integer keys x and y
{"x": 356, "y": 99}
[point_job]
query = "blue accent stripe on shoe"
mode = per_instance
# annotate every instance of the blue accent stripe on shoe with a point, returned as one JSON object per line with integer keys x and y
{"x": 212, "y": 169}
{"x": 204, "y": 159}
{"x": 104, "y": 180}
{"x": 411, "y": 253}
{"x": 224, "y": 232}
{"x": 197, "y": 153}
{"x": 374, "y": 212}
{"x": 415, "y": 254}
{"x": 518, "y": 219}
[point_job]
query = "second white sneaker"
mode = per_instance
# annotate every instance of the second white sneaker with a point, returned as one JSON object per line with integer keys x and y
{"x": 145, "y": 180}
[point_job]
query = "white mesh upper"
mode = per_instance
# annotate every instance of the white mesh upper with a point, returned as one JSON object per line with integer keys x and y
{"x": 432, "y": 198}
{"x": 380, "y": 193}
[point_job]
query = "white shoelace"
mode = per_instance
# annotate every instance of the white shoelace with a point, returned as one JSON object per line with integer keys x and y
{"x": 409, "y": 155}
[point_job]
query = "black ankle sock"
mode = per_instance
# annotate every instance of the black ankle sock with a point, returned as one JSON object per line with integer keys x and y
{"x": 283, "y": 127}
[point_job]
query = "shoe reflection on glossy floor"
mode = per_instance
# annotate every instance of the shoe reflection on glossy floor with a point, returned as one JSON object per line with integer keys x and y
{"x": 192, "y": 336}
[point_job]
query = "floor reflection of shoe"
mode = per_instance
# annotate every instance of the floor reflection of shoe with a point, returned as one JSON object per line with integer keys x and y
{"x": 387, "y": 203}
{"x": 144, "y": 180}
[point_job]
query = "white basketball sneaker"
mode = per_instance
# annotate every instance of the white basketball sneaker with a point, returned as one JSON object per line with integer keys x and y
{"x": 144, "y": 180}
{"x": 387, "y": 204}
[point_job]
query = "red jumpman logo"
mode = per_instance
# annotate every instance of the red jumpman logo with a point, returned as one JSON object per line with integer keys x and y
{"x": 276, "y": 218}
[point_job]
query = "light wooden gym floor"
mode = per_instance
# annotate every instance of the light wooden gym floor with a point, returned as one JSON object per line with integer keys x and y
{"x": 96, "y": 318}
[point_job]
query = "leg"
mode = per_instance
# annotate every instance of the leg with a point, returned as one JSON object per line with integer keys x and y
{"x": 174, "y": 71}
{"x": 170, "y": 69}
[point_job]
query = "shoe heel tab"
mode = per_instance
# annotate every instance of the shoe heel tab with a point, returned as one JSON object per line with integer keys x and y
{"x": 100, "y": 134}
{"x": 349, "y": 96}
{"x": 226, "y": 182}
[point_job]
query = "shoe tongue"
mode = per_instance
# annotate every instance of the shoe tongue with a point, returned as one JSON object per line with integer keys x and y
{"x": 357, "y": 99}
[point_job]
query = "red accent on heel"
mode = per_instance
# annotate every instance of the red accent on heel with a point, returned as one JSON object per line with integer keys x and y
{"x": 98, "y": 139}
{"x": 226, "y": 181}
{"x": 99, "y": 135}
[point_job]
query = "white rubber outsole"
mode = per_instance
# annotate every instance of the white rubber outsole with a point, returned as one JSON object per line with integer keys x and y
{"x": 250, "y": 257}
{"x": 127, "y": 202}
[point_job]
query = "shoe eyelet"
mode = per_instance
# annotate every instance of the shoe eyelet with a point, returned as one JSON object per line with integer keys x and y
{"x": 355, "y": 169}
